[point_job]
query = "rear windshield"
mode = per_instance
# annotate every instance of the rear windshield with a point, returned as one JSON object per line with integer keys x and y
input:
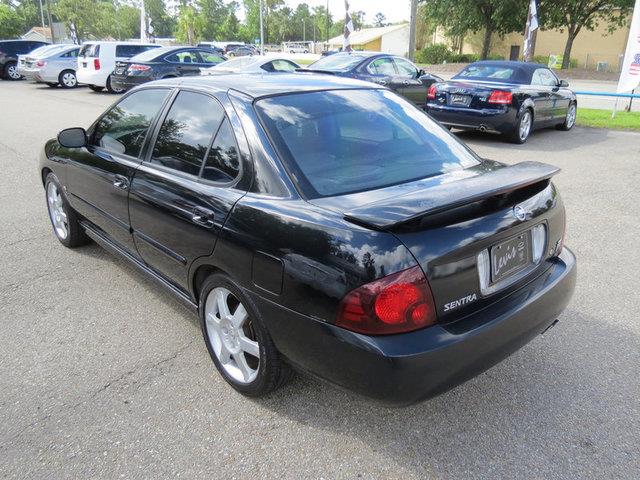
{"x": 346, "y": 141}
{"x": 492, "y": 73}
{"x": 89, "y": 50}
{"x": 148, "y": 55}
{"x": 337, "y": 62}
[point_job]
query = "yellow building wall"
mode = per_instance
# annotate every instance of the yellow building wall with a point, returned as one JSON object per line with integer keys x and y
{"x": 588, "y": 49}
{"x": 373, "y": 46}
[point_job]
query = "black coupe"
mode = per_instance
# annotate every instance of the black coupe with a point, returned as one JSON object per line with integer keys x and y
{"x": 512, "y": 98}
{"x": 318, "y": 223}
{"x": 165, "y": 62}
{"x": 396, "y": 73}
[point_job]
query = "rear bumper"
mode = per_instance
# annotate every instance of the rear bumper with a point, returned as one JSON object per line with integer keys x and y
{"x": 128, "y": 82}
{"x": 91, "y": 77}
{"x": 502, "y": 120}
{"x": 406, "y": 368}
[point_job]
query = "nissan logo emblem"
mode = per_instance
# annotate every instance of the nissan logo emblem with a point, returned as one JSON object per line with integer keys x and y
{"x": 520, "y": 213}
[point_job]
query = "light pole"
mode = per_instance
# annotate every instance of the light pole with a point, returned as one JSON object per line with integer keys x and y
{"x": 304, "y": 31}
{"x": 41, "y": 13}
{"x": 261, "y": 31}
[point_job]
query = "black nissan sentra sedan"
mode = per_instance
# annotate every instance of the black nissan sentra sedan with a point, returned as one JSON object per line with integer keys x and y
{"x": 511, "y": 98}
{"x": 318, "y": 223}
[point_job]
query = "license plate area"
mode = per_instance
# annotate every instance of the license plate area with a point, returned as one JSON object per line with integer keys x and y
{"x": 459, "y": 100}
{"x": 510, "y": 256}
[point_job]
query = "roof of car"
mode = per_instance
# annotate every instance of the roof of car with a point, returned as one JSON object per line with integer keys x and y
{"x": 525, "y": 66}
{"x": 268, "y": 84}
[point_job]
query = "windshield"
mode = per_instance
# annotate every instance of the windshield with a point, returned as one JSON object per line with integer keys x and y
{"x": 491, "y": 73}
{"x": 347, "y": 141}
{"x": 337, "y": 62}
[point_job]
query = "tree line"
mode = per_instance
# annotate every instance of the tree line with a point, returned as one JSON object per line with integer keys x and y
{"x": 195, "y": 20}
{"x": 499, "y": 17}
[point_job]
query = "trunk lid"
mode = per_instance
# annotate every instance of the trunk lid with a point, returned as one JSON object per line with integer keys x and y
{"x": 461, "y": 225}
{"x": 465, "y": 94}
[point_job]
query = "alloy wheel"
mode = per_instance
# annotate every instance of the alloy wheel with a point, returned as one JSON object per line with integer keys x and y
{"x": 12, "y": 72}
{"x": 232, "y": 336}
{"x": 571, "y": 116}
{"x": 56, "y": 211}
{"x": 525, "y": 125}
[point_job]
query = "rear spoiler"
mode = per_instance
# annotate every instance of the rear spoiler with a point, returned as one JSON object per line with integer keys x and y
{"x": 391, "y": 212}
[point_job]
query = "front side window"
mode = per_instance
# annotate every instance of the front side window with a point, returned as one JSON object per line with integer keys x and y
{"x": 123, "y": 128}
{"x": 382, "y": 66}
{"x": 344, "y": 141}
{"x": 186, "y": 132}
{"x": 543, "y": 76}
{"x": 405, "y": 68}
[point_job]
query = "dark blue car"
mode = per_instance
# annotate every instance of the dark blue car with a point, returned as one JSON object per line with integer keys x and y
{"x": 512, "y": 98}
{"x": 396, "y": 73}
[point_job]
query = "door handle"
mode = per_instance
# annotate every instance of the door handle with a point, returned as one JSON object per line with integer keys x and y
{"x": 381, "y": 82}
{"x": 406, "y": 82}
{"x": 121, "y": 182}
{"x": 202, "y": 217}
{"x": 104, "y": 156}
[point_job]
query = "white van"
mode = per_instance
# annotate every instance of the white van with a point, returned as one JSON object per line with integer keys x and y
{"x": 96, "y": 61}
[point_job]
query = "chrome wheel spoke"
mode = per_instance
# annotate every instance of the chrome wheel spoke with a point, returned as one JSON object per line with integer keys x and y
{"x": 249, "y": 346}
{"x": 225, "y": 355}
{"x": 243, "y": 366}
{"x": 239, "y": 316}
{"x": 221, "y": 300}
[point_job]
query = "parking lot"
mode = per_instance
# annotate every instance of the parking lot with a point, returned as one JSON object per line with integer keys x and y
{"x": 104, "y": 375}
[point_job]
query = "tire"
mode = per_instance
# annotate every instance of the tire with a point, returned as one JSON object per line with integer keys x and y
{"x": 95, "y": 88}
{"x": 523, "y": 127}
{"x": 569, "y": 119}
{"x": 10, "y": 71}
{"x": 111, "y": 88}
{"x": 64, "y": 219}
{"x": 52, "y": 85}
{"x": 230, "y": 337}
{"x": 67, "y": 79}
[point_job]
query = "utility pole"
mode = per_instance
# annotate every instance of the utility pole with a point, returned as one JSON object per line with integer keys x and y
{"x": 261, "y": 31}
{"x": 41, "y": 13}
{"x": 412, "y": 29}
{"x": 327, "y": 24}
{"x": 53, "y": 40}
{"x": 304, "y": 31}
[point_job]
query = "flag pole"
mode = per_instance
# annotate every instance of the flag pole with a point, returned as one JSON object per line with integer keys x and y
{"x": 530, "y": 31}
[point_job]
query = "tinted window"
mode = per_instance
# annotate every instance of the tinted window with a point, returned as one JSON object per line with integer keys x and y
{"x": 210, "y": 57}
{"x": 128, "y": 51}
{"x": 89, "y": 50}
{"x": 280, "y": 66}
{"x": 183, "y": 57}
{"x": 344, "y": 141}
{"x": 186, "y": 132}
{"x": 71, "y": 54}
{"x": 382, "y": 66}
{"x": 406, "y": 68}
{"x": 222, "y": 163}
{"x": 338, "y": 62}
{"x": 544, "y": 76}
{"x": 123, "y": 128}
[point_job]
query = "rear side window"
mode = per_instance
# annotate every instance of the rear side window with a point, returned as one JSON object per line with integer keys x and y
{"x": 71, "y": 54}
{"x": 210, "y": 57}
{"x": 186, "y": 132}
{"x": 345, "y": 141}
{"x": 188, "y": 56}
{"x": 123, "y": 128}
{"x": 223, "y": 163}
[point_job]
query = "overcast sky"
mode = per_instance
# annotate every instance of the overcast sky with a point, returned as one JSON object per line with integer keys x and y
{"x": 394, "y": 10}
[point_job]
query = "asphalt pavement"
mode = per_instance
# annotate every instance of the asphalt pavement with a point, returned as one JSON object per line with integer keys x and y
{"x": 105, "y": 375}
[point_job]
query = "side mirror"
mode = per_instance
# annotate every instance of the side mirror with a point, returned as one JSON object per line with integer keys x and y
{"x": 421, "y": 72}
{"x": 73, "y": 137}
{"x": 563, "y": 84}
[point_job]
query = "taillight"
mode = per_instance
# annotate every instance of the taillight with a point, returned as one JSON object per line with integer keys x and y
{"x": 139, "y": 68}
{"x": 400, "y": 302}
{"x": 431, "y": 94}
{"x": 96, "y": 63}
{"x": 500, "y": 97}
{"x": 40, "y": 63}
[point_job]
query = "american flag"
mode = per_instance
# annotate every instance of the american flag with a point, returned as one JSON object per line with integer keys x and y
{"x": 348, "y": 28}
{"x": 532, "y": 26}
{"x": 634, "y": 68}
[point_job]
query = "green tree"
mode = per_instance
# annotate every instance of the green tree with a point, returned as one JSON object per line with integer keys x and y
{"x": 323, "y": 22}
{"x": 84, "y": 14}
{"x": 491, "y": 16}
{"x": 11, "y": 24}
{"x": 380, "y": 20}
{"x": 163, "y": 23}
{"x": 576, "y": 15}
{"x": 190, "y": 28}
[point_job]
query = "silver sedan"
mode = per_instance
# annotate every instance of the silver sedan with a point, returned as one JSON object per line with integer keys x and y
{"x": 57, "y": 67}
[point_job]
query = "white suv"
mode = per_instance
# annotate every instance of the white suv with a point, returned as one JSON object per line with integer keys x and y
{"x": 97, "y": 60}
